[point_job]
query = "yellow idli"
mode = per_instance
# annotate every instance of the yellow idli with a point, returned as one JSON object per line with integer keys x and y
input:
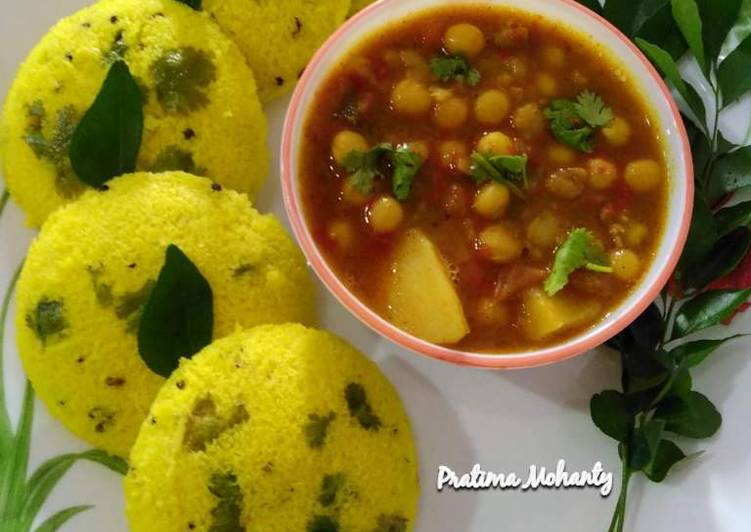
{"x": 278, "y": 428}
{"x": 202, "y": 114}
{"x": 90, "y": 271}
{"x": 278, "y": 37}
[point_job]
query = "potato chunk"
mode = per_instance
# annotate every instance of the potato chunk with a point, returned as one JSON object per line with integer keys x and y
{"x": 421, "y": 298}
{"x": 545, "y": 315}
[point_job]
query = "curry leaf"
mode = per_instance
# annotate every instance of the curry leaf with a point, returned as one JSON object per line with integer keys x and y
{"x": 686, "y": 15}
{"x": 610, "y": 413}
{"x": 645, "y": 443}
{"x": 178, "y": 318}
{"x": 730, "y": 218}
{"x": 692, "y": 354}
{"x": 734, "y": 74}
{"x": 724, "y": 258}
{"x": 718, "y": 17}
{"x": 693, "y": 416}
{"x": 594, "y": 5}
{"x": 668, "y": 455}
{"x": 732, "y": 172}
{"x": 108, "y": 137}
{"x": 669, "y": 69}
{"x": 708, "y": 309}
{"x": 702, "y": 236}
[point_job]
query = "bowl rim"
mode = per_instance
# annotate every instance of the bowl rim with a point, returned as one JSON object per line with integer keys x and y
{"x": 534, "y": 358}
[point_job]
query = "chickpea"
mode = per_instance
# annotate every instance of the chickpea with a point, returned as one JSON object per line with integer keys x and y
{"x": 416, "y": 66}
{"x": 465, "y": 39}
{"x": 618, "y": 132}
{"x": 602, "y": 173}
{"x": 554, "y": 57}
{"x": 516, "y": 68}
{"x": 492, "y": 107}
{"x": 451, "y": 113}
{"x": 529, "y": 120}
{"x": 491, "y": 312}
{"x": 346, "y": 142}
{"x": 352, "y": 196}
{"x": 644, "y": 175}
{"x": 411, "y": 97}
{"x": 385, "y": 214}
{"x": 491, "y": 200}
{"x": 626, "y": 264}
{"x": 561, "y": 155}
{"x": 452, "y": 152}
{"x": 341, "y": 233}
{"x": 495, "y": 143}
{"x": 500, "y": 244}
{"x": 567, "y": 183}
{"x": 421, "y": 149}
{"x": 544, "y": 230}
{"x": 635, "y": 234}
{"x": 546, "y": 85}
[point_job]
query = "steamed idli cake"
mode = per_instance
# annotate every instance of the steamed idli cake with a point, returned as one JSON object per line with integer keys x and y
{"x": 278, "y": 37}
{"x": 90, "y": 271}
{"x": 278, "y": 428}
{"x": 201, "y": 112}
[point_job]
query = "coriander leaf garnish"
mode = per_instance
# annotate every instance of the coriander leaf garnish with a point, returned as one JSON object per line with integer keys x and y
{"x": 406, "y": 166}
{"x": 108, "y": 137}
{"x": 178, "y": 318}
{"x": 580, "y": 250}
{"x": 366, "y": 166}
{"x": 574, "y": 122}
{"x": 454, "y": 68}
{"x": 509, "y": 170}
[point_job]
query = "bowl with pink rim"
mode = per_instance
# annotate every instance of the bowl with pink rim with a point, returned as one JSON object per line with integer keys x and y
{"x": 635, "y": 66}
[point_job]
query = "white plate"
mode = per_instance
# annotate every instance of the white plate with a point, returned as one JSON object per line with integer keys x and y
{"x": 504, "y": 421}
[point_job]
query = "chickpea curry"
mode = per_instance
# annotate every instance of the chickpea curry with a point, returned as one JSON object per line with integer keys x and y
{"x": 483, "y": 178}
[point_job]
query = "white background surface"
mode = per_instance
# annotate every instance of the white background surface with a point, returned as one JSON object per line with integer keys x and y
{"x": 505, "y": 421}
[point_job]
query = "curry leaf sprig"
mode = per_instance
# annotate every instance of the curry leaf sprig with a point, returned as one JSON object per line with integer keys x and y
{"x": 22, "y": 497}
{"x": 366, "y": 166}
{"x": 657, "y": 402}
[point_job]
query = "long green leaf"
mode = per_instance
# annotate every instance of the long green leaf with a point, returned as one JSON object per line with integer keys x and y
{"x": 669, "y": 69}
{"x": 610, "y": 413}
{"x": 735, "y": 73}
{"x": 46, "y": 477}
{"x": 707, "y": 310}
{"x": 6, "y": 432}
{"x": 631, "y": 15}
{"x": 3, "y": 202}
{"x": 668, "y": 455}
{"x": 60, "y": 518}
{"x": 12, "y": 491}
{"x": 686, "y": 15}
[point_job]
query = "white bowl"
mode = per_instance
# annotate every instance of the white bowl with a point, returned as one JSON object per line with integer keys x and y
{"x": 645, "y": 80}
